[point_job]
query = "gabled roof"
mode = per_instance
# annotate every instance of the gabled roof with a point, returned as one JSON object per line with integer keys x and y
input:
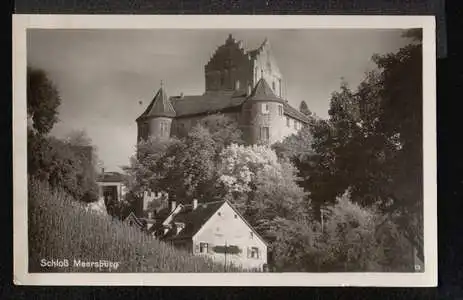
{"x": 263, "y": 92}
{"x": 133, "y": 217}
{"x": 110, "y": 177}
{"x": 195, "y": 219}
{"x": 160, "y": 106}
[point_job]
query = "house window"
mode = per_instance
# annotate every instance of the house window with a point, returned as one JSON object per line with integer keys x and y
{"x": 254, "y": 252}
{"x": 265, "y": 108}
{"x": 237, "y": 85}
{"x": 264, "y": 133}
{"x": 280, "y": 110}
{"x": 273, "y": 86}
{"x": 203, "y": 247}
{"x": 219, "y": 213}
{"x": 288, "y": 122}
{"x": 236, "y": 217}
{"x": 222, "y": 78}
{"x": 295, "y": 124}
{"x": 251, "y": 234}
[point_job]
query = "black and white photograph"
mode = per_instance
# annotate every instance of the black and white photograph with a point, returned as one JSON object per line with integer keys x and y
{"x": 273, "y": 154}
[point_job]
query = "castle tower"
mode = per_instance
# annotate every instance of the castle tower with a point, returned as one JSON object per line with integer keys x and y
{"x": 156, "y": 120}
{"x": 263, "y": 113}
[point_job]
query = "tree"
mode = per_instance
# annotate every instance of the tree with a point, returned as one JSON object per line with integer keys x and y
{"x": 43, "y": 100}
{"x": 372, "y": 143}
{"x": 224, "y": 130}
{"x": 304, "y": 108}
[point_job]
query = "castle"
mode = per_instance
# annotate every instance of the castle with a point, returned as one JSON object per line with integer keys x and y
{"x": 244, "y": 85}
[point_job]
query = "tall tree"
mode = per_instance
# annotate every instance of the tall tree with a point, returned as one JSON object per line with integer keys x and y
{"x": 304, "y": 108}
{"x": 43, "y": 100}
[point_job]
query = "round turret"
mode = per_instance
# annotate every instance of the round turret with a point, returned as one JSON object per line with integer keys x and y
{"x": 156, "y": 120}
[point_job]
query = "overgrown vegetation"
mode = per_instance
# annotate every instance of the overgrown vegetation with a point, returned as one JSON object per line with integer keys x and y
{"x": 61, "y": 228}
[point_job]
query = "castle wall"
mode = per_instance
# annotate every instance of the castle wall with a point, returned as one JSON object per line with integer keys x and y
{"x": 181, "y": 126}
{"x": 155, "y": 127}
{"x": 254, "y": 117}
{"x": 264, "y": 65}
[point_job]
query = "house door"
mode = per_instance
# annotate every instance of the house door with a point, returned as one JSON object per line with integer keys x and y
{"x": 110, "y": 194}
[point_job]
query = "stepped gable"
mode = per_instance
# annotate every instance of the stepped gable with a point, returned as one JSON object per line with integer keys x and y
{"x": 254, "y": 53}
{"x": 263, "y": 92}
{"x": 160, "y": 106}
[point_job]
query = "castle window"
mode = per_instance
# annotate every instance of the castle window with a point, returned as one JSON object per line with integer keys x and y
{"x": 280, "y": 110}
{"x": 288, "y": 122}
{"x": 164, "y": 129}
{"x": 264, "y": 133}
{"x": 265, "y": 108}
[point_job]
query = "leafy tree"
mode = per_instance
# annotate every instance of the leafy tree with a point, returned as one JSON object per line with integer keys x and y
{"x": 304, "y": 108}
{"x": 224, "y": 130}
{"x": 43, "y": 100}
{"x": 371, "y": 144}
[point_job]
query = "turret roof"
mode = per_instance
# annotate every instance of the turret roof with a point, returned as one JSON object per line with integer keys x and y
{"x": 160, "y": 106}
{"x": 263, "y": 92}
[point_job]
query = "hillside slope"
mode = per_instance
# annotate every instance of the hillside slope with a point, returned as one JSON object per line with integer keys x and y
{"x": 60, "y": 228}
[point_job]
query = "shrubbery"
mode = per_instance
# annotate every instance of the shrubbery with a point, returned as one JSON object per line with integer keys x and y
{"x": 62, "y": 166}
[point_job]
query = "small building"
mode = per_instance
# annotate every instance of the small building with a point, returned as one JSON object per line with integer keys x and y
{"x": 213, "y": 229}
{"x": 111, "y": 186}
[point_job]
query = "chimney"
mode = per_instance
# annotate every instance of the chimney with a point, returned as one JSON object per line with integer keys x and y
{"x": 173, "y": 205}
{"x": 195, "y": 203}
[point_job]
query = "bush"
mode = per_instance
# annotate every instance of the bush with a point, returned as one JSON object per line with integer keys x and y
{"x": 62, "y": 166}
{"x": 59, "y": 227}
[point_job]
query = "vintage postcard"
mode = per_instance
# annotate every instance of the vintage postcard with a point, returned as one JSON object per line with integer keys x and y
{"x": 224, "y": 150}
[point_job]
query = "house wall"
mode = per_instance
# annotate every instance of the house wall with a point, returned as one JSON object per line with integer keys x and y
{"x": 226, "y": 229}
{"x": 121, "y": 189}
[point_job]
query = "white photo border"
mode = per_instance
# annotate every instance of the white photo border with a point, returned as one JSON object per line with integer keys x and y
{"x": 21, "y": 23}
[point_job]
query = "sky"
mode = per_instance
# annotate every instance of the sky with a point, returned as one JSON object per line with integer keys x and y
{"x": 103, "y": 74}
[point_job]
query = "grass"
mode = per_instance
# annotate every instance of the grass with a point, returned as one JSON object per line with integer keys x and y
{"x": 61, "y": 228}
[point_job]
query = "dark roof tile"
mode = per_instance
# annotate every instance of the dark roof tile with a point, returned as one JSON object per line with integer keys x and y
{"x": 210, "y": 102}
